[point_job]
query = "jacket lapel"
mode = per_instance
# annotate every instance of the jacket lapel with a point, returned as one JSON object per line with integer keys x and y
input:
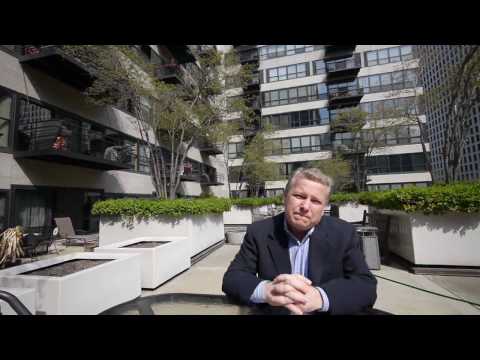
{"x": 318, "y": 254}
{"x": 278, "y": 247}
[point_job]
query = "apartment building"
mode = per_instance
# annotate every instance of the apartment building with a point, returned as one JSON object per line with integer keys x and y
{"x": 59, "y": 154}
{"x": 439, "y": 60}
{"x": 303, "y": 88}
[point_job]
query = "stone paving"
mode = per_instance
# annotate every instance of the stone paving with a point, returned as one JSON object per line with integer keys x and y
{"x": 205, "y": 277}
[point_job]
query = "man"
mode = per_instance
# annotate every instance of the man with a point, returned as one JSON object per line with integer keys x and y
{"x": 301, "y": 260}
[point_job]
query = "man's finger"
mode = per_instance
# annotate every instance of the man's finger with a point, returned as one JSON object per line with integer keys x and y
{"x": 285, "y": 277}
{"x": 282, "y": 288}
{"x": 297, "y": 297}
{"x": 294, "y": 309}
{"x": 280, "y": 300}
{"x": 297, "y": 285}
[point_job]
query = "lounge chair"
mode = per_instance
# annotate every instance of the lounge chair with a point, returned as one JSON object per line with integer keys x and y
{"x": 66, "y": 231}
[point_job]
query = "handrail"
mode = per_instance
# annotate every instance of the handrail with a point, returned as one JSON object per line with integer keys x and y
{"x": 14, "y": 302}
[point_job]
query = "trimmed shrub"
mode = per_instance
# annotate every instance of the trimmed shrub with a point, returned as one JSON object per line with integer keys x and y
{"x": 147, "y": 208}
{"x": 257, "y": 202}
{"x": 437, "y": 199}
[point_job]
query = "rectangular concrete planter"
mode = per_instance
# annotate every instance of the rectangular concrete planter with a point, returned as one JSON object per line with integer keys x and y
{"x": 448, "y": 240}
{"x": 351, "y": 212}
{"x": 25, "y": 295}
{"x": 86, "y": 292}
{"x": 201, "y": 231}
{"x": 158, "y": 264}
{"x": 238, "y": 215}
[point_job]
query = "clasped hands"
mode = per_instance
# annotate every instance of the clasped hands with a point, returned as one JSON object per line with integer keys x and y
{"x": 295, "y": 292}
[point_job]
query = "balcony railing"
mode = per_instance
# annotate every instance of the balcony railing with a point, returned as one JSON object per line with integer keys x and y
{"x": 209, "y": 148}
{"x": 346, "y": 92}
{"x": 246, "y": 56}
{"x": 54, "y": 61}
{"x": 254, "y": 102}
{"x": 254, "y": 81}
{"x": 64, "y": 141}
{"x": 181, "y": 53}
{"x": 169, "y": 73}
{"x": 344, "y": 64}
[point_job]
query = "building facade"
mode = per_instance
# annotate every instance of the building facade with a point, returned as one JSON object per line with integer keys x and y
{"x": 438, "y": 60}
{"x": 59, "y": 154}
{"x": 303, "y": 88}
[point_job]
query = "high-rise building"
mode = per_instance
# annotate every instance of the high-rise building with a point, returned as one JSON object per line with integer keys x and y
{"x": 302, "y": 90}
{"x": 59, "y": 154}
{"x": 437, "y": 63}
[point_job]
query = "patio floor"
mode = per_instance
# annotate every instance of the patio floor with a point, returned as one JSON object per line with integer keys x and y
{"x": 399, "y": 291}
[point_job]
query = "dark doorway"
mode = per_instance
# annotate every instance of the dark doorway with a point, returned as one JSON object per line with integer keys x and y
{"x": 36, "y": 207}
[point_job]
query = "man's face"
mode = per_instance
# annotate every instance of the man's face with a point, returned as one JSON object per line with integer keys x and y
{"x": 304, "y": 204}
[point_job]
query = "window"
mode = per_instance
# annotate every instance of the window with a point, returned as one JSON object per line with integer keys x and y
{"x": 390, "y": 55}
{"x": 319, "y": 67}
{"x": 287, "y": 72}
{"x": 383, "y": 82}
{"x": 298, "y": 119}
{"x": 5, "y": 117}
{"x": 396, "y": 163}
{"x": 274, "y": 51}
{"x": 235, "y": 150}
{"x": 298, "y": 144}
{"x": 3, "y": 209}
{"x": 294, "y": 95}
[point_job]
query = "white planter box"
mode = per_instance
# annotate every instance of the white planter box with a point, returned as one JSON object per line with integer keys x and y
{"x": 201, "y": 231}
{"x": 158, "y": 264}
{"x": 238, "y": 216}
{"x": 351, "y": 212}
{"x": 25, "y": 295}
{"x": 86, "y": 292}
{"x": 235, "y": 237}
{"x": 449, "y": 240}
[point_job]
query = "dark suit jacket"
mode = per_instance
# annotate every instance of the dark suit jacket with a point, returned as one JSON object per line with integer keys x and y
{"x": 336, "y": 263}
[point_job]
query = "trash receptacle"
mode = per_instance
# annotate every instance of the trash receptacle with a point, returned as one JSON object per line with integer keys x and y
{"x": 371, "y": 251}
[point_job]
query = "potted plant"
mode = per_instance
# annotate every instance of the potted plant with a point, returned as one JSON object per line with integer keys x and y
{"x": 11, "y": 246}
{"x": 437, "y": 225}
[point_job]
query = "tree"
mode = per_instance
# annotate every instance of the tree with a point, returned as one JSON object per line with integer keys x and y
{"x": 255, "y": 167}
{"x": 461, "y": 87}
{"x": 358, "y": 144}
{"x": 338, "y": 169}
{"x": 170, "y": 118}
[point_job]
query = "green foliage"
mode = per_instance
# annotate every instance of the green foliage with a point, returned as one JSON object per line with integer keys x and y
{"x": 338, "y": 169}
{"x": 148, "y": 208}
{"x": 437, "y": 199}
{"x": 256, "y": 202}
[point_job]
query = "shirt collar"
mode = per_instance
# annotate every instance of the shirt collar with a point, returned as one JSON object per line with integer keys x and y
{"x": 293, "y": 237}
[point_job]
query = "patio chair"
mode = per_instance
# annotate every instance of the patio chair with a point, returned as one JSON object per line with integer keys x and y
{"x": 66, "y": 231}
{"x": 35, "y": 239}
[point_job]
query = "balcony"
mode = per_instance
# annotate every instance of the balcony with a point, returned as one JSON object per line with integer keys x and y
{"x": 343, "y": 68}
{"x": 52, "y": 60}
{"x": 204, "y": 177}
{"x": 343, "y": 95}
{"x": 202, "y": 50}
{"x": 253, "y": 83}
{"x": 181, "y": 53}
{"x": 60, "y": 141}
{"x": 212, "y": 179}
{"x": 209, "y": 149}
{"x": 338, "y": 51}
{"x": 169, "y": 73}
{"x": 247, "y": 54}
{"x": 253, "y": 101}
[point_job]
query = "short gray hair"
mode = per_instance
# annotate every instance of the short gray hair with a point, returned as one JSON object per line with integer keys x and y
{"x": 313, "y": 174}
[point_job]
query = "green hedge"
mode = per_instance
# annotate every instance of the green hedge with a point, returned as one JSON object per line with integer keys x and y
{"x": 437, "y": 199}
{"x": 147, "y": 208}
{"x": 255, "y": 202}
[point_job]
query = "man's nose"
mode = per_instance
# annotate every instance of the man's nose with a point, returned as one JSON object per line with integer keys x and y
{"x": 305, "y": 204}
